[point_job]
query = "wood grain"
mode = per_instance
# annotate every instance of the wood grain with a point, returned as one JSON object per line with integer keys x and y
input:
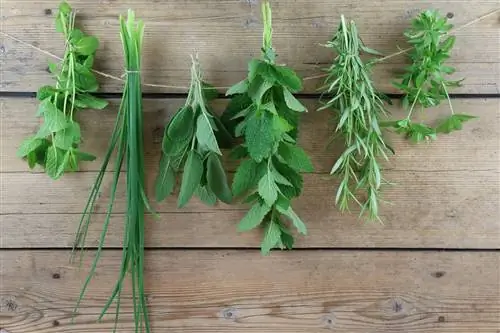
{"x": 226, "y": 34}
{"x": 476, "y": 147}
{"x": 240, "y": 291}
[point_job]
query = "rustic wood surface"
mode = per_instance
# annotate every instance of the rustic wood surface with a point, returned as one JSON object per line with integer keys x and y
{"x": 202, "y": 275}
{"x": 239, "y": 291}
{"x": 228, "y": 33}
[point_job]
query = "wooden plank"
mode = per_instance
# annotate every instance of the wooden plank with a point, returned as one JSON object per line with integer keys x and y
{"x": 438, "y": 209}
{"x": 474, "y": 148}
{"x": 242, "y": 292}
{"x": 227, "y": 34}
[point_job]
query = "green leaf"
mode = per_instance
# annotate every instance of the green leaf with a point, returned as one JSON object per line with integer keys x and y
{"x": 288, "y": 78}
{"x": 258, "y": 88}
{"x": 32, "y": 159}
{"x": 191, "y": 178}
{"x": 181, "y": 125}
{"x": 268, "y": 189}
{"x": 82, "y": 156}
{"x": 239, "y": 88}
{"x": 217, "y": 179}
{"x": 292, "y": 175}
{"x": 297, "y": 222}
{"x": 89, "y": 62}
{"x": 453, "y": 123}
{"x": 280, "y": 179}
{"x": 87, "y": 45}
{"x": 64, "y": 8}
{"x": 90, "y": 102}
{"x": 65, "y": 138}
{"x": 259, "y": 136}
{"x": 76, "y": 35}
{"x": 272, "y": 235}
{"x": 29, "y": 145}
{"x": 85, "y": 80}
{"x": 292, "y": 102}
{"x": 206, "y": 195}
{"x": 54, "y": 118}
{"x": 64, "y": 164}
{"x": 46, "y": 92}
{"x": 54, "y": 158}
{"x": 245, "y": 177}
{"x": 295, "y": 157}
{"x": 254, "y": 217}
{"x": 205, "y": 134}
{"x": 209, "y": 91}
{"x": 165, "y": 181}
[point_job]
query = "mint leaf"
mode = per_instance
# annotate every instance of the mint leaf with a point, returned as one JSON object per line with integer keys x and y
{"x": 165, "y": 181}
{"x": 272, "y": 235}
{"x": 258, "y": 88}
{"x": 191, "y": 178}
{"x": 54, "y": 118}
{"x": 217, "y": 180}
{"x": 87, "y": 45}
{"x": 453, "y": 123}
{"x": 268, "y": 189}
{"x": 29, "y": 145}
{"x": 259, "y": 136}
{"x": 53, "y": 159}
{"x": 245, "y": 177}
{"x": 90, "y": 102}
{"x": 292, "y": 102}
{"x": 295, "y": 157}
{"x": 239, "y": 88}
{"x": 254, "y": 217}
{"x": 64, "y": 164}
{"x": 65, "y": 138}
{"x": 288, "y": 78}
{"x": 297, "y": 222}
{"x": 206, "y": 195}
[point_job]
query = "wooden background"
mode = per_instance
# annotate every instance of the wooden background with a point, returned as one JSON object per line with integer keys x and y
{"x": 433, "y": 267}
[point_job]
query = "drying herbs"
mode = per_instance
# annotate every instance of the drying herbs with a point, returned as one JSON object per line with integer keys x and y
{"x": 56, "y": 145}
{"x": 192, "y": 144}
{"x": 127, "y": 141}
{"x": 424, "y": 84}
{"x": 357, "y": 109}
{"x": 264, "y": 113}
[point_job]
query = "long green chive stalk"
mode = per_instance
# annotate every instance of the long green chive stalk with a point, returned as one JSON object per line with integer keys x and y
{"x": 358, "y": 108}
{"x": 127, "y": 138}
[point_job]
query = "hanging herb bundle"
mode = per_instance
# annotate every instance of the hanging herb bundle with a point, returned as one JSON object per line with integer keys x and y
{"x": 127, "y": 140}
{"x": 358, "y": 108}
{"x": 424, "y": 84}
{"x": 264, "y": 112}
{"x": 56, "y": 145}
{"x": 191, "y": 144}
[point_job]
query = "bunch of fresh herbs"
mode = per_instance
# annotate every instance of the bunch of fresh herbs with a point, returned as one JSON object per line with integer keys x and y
{"x": 357, "y": 108}
{"x": 265, "y": 113}
{"x": 424, "y": 83}
{"x": 191, "y": 144}
{"x": 56, "y": 145}
{"x": 127, "y": 140}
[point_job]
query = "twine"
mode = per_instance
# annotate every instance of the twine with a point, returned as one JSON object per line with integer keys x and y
{"x": 317, "y": 76}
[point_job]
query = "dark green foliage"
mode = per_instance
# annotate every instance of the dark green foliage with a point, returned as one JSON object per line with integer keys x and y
{"x": 55, "y": 147}
{"x": 264, "y": 113}
{"x": 191, "y": 145}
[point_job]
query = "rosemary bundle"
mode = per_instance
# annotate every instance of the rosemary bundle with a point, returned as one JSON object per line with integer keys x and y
{"x": 191, "y": 145}
{"x": 264, "y": 112}
{"x": 56, "y": 145}
{"x": 424, "y": 84}
{"x": 127, "y": 140}
{"x": 357, "y": 107}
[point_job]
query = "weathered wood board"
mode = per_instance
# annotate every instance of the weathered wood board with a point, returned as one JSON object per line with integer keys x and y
{"x": 226, "y": 34}
{"x": 241, "y": 292}
{"x": 446, "y": 193}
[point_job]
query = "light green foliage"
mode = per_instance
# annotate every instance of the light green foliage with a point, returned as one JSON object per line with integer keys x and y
{"x": 59, "y": 103}
{"x": 127, "y": 143}
{"x": 424, "y": 84}
{"x": 264, "y": 112}
{"x": 191, "y": 146}
{"x": 357, "y": 108}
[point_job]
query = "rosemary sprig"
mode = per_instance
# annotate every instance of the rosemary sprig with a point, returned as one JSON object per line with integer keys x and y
{"x": 55, "y": 147}
{"x": 191, "y": 144}
{"x": 424, "y": 84}
{"x": 127, "y": 139}
{"x": 265, "y": 113}
{"x": 357, "y": 107}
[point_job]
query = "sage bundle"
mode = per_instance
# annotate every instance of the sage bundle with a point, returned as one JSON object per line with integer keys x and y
{"x": 192, "y": 144}
{"x": 264, "y": 113}
{"x": 56, "y": 145}
{"x": 424, "y": 84}
{"x": 357, "y": 109}
{"x": 127, "y": 142}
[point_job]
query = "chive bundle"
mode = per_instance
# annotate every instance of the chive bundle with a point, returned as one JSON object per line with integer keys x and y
{"x": 127, "y": 138}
